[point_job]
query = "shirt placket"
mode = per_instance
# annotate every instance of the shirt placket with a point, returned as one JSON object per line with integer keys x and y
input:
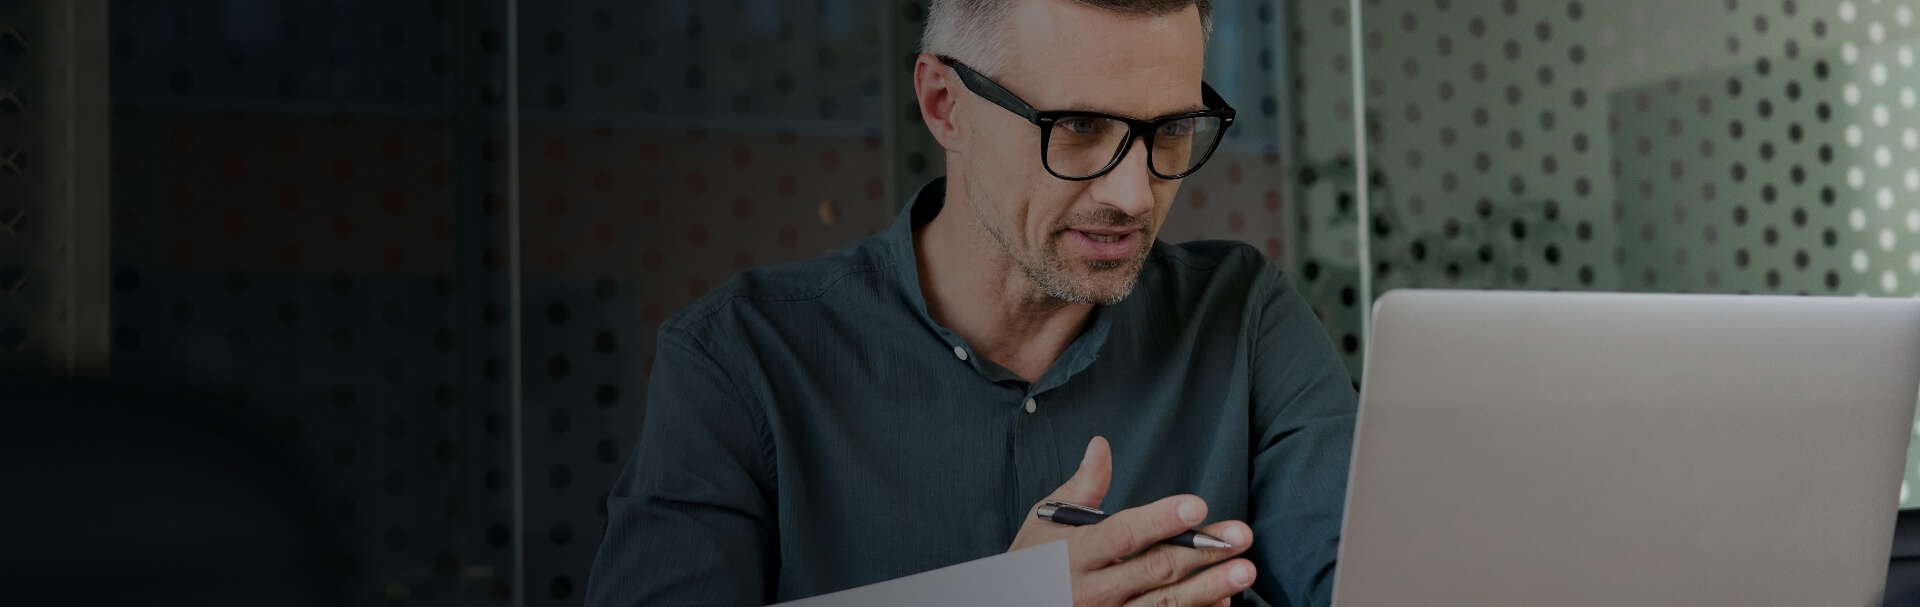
{"x": 1036, "y": 451}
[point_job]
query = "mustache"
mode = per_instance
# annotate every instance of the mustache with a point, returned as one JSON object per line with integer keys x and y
{"x": 1107, "y": 218}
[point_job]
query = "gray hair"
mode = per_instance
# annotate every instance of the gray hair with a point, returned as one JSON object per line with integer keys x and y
{"x": 969, "y": 30}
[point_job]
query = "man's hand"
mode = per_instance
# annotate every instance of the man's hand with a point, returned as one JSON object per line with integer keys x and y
{"x": 1156, "y": 574}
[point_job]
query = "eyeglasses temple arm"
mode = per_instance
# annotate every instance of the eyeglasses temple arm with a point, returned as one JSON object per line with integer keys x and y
{"x": 1213, "y": 100}
{"x": 992, "y": 91}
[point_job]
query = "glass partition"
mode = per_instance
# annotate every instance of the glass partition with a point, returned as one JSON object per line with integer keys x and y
{"x": 1700, "y": 147}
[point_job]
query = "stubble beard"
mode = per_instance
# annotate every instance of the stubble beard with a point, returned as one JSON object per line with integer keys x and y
{"x": 1107, "y": 282}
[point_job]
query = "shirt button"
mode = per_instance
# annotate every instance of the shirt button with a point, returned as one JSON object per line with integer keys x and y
{"x": 960, "y": 352}
{"x": 1032, "y": 405}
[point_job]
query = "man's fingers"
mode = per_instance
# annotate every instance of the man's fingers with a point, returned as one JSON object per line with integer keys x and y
{"x": 1165, "y": 564}
{"x": 1087, "y": 487}
{"x": 1089, "y": 483}
{"x": 1135, "y": 529}
{"x": 1205, "y": 588}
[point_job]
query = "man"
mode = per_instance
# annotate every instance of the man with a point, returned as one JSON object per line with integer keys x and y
{"x": 1018, "y": 335}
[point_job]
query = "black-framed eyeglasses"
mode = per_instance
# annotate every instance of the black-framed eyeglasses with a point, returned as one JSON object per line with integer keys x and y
{"x": 1079, "y": 145}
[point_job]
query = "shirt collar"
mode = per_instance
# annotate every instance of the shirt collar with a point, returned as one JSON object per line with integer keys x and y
{"x": 921, "y": 208}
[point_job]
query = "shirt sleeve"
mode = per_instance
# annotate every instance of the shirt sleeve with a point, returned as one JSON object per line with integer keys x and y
{"x": 691, "y": 520}
{"x": 1303, "y": 410}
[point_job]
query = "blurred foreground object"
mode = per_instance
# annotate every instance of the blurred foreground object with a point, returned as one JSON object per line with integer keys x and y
{"x": 120, "y": 495}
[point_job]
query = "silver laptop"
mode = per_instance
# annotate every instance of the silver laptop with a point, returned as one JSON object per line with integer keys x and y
{"x": 1628, "y": 449}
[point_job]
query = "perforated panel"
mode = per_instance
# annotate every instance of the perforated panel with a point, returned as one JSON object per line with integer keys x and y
{"x": 745, "y": 133}
{"x": 1243, "y": 193}
{"x": 309, "y": 216}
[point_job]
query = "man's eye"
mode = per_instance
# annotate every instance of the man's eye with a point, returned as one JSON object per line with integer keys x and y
{"x": 1078, "y": 126}
{"x": 1178, "y": 128}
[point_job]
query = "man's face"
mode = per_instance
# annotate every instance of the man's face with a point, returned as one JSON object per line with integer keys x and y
{"x": 1080, "y": 241}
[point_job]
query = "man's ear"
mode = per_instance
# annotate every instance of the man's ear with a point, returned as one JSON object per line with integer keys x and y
{"x": 938, "y": 91}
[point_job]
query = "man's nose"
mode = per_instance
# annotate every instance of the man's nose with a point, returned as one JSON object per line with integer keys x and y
{"x": 1129, "y": 186}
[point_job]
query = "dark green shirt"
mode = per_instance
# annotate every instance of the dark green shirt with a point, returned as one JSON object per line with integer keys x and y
{"x": 810, "y": 428}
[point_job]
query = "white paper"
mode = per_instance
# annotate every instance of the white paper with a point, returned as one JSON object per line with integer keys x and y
{"x": 1036, "y": 577}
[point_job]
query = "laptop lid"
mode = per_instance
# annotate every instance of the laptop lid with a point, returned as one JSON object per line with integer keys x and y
{"x": 1528, "y": 448}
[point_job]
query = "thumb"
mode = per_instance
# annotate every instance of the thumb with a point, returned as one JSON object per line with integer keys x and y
{"x": 1089, "y": 483}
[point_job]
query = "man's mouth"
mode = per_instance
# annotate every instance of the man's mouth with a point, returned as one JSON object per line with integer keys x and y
{"x": 1106, "y": 244}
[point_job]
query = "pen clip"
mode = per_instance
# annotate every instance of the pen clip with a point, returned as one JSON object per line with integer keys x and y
{"x": 1058, "y": 504}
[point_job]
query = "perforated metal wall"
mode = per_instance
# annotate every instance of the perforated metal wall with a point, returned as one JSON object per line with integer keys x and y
{"x": 309, "y": 214}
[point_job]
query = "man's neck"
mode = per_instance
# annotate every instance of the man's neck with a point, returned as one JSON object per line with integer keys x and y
{"x": 972, "y": 287}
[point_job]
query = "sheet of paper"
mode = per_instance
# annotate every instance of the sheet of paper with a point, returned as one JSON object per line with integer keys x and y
{"x": 1034, "y": 577}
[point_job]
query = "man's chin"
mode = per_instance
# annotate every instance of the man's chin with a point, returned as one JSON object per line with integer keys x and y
{"x": 1104, "y": 281}
{"x": 1089, "y": 280}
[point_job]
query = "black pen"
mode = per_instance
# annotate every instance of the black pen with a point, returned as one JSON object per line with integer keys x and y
{"x": 1080, "y": 516}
